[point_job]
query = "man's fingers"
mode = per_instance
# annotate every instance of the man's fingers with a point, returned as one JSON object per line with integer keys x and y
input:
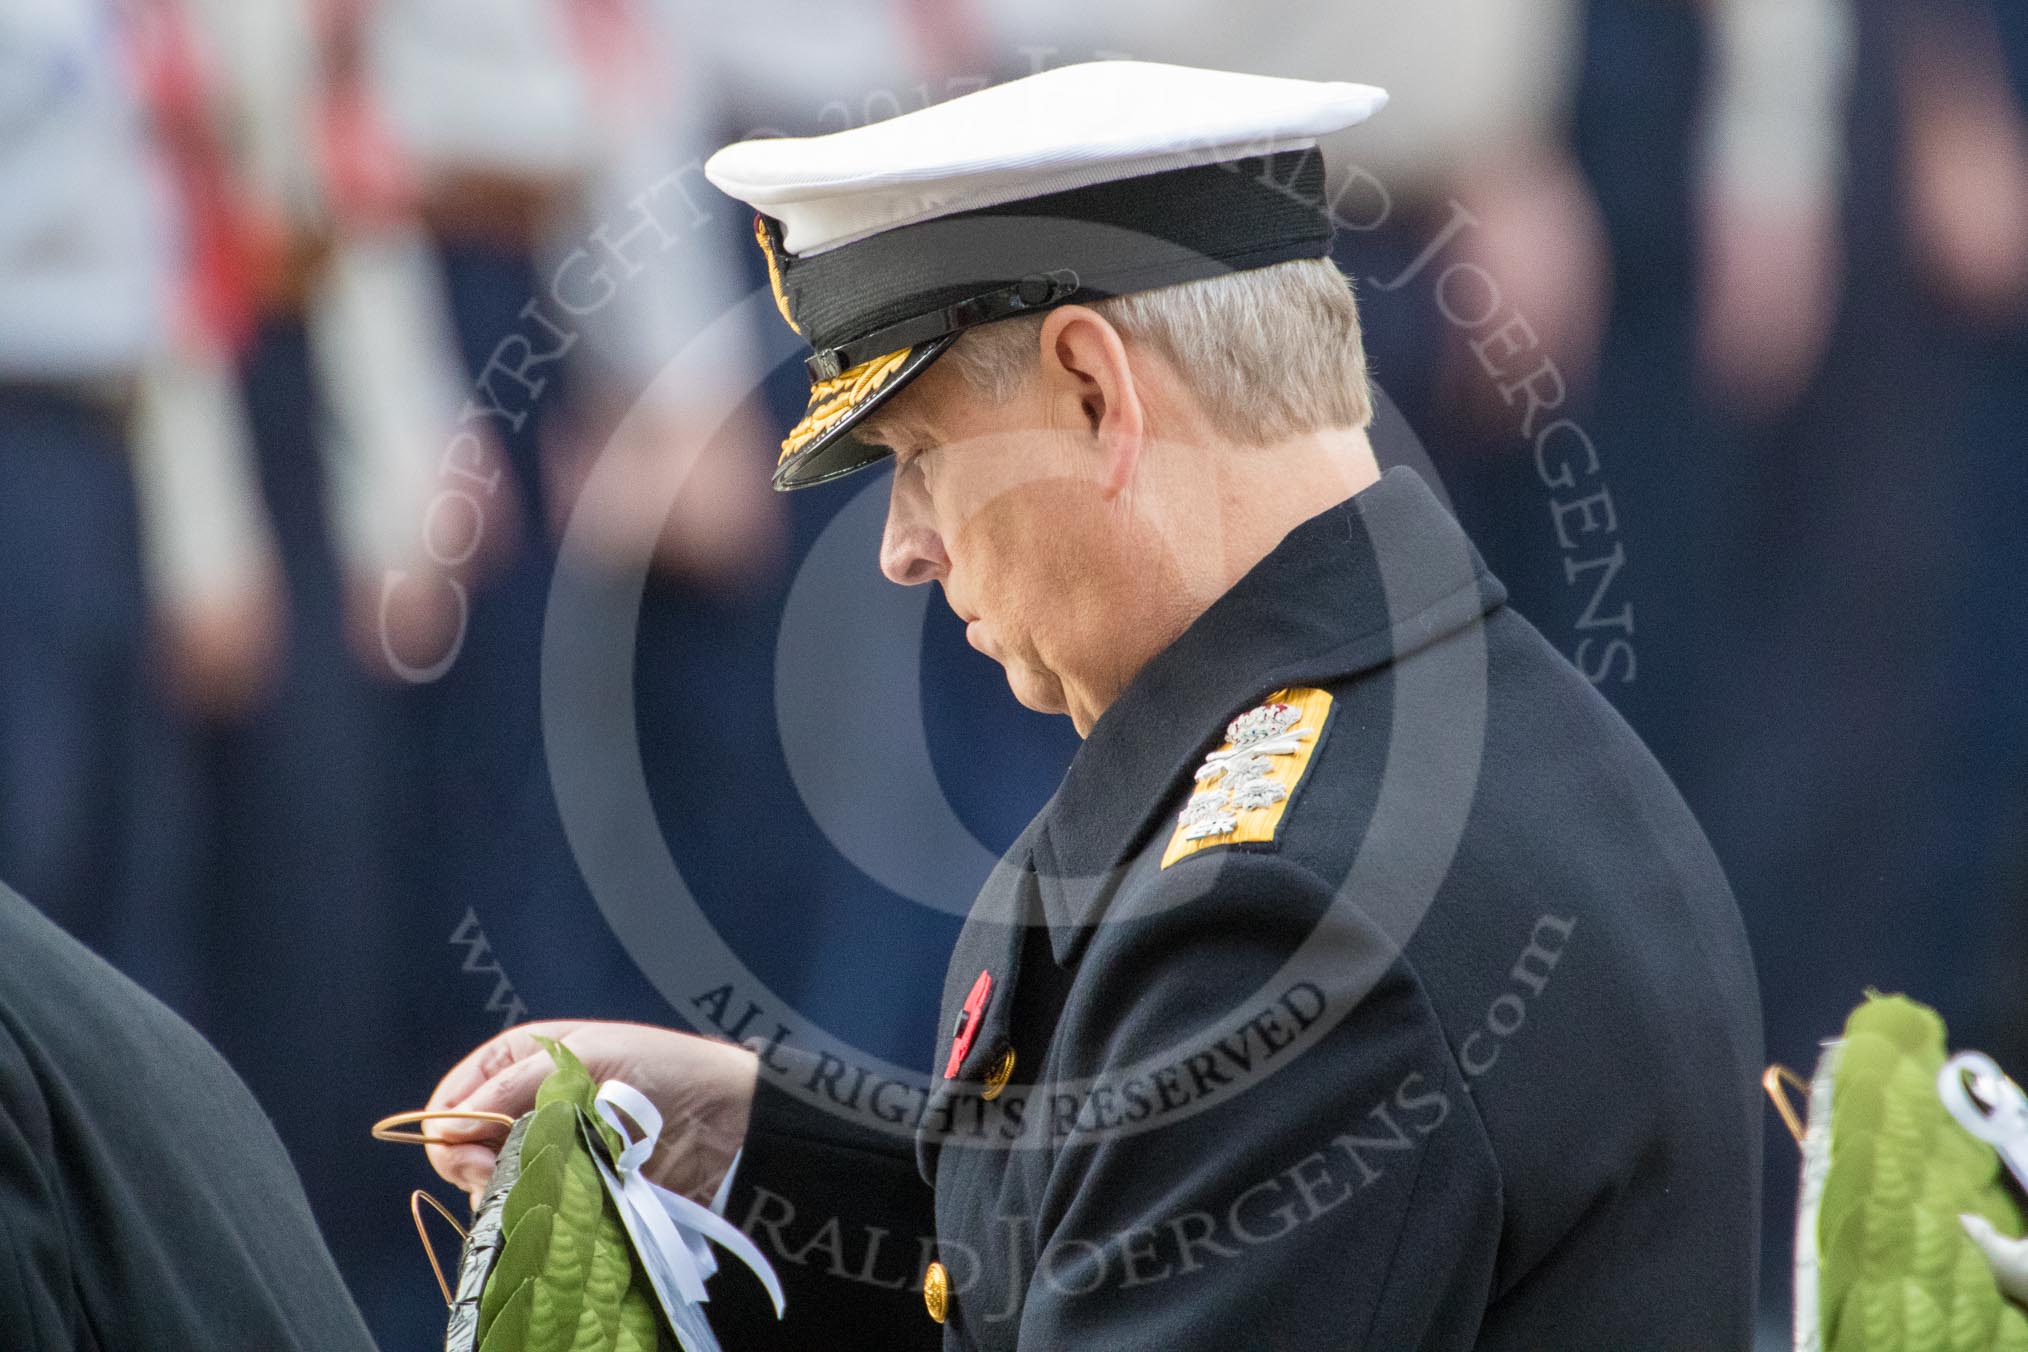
{"x": 511, "y": 1092}
{"x": 492, "y": 1056}
{"x": 500, "y": 1076}
{"x": 466, "y": 1167}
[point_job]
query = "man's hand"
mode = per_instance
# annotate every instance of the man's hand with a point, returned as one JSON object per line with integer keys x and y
{"x": 704, "y": 1089}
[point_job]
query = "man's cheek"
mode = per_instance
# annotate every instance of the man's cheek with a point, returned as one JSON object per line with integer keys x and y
{"x": 1025, "y": 513}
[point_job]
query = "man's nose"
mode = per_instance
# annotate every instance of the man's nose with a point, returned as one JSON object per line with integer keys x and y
{"x": 910, "y": 550}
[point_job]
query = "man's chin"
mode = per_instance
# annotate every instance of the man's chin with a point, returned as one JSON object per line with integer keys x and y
{"x": 1037, "y": 690}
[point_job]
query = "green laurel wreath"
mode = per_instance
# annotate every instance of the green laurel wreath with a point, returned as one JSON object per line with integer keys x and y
{"x": 548, "y": 1266}
{"x": 1897, "y": 1273}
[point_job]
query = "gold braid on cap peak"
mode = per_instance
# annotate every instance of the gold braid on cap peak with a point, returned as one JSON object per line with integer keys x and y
{"x": 832, "y": 399}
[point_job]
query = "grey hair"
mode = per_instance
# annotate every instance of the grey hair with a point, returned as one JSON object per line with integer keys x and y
{"x": 1270, "y": 353}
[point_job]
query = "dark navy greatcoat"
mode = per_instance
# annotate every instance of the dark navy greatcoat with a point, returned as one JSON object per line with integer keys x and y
{"x": 146, "y": 1204}
{"x": 1462, "y": 1054}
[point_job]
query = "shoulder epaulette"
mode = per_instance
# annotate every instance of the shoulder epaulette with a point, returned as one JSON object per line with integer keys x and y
{"x": 1243, "y": 788}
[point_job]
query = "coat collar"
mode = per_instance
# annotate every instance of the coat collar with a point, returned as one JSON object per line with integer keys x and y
{"x": 1358, "y": 586}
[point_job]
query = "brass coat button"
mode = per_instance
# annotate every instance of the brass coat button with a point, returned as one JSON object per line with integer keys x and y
{"x": 997, "y": 1074}
{"x": 936, "y": 1291}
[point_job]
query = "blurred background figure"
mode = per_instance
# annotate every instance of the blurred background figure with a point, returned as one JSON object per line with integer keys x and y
{"x": 88, "y": 753}
{"x": 317, "y": 317}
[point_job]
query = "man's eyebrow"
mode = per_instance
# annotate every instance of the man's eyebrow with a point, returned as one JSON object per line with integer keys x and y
{"x": 875, "y": 435}
{"x": 897, "y": 434}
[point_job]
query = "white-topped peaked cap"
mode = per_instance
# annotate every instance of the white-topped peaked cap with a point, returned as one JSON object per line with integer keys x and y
{"x": 1062, "y": 128}
{"x": 886, "y": 241}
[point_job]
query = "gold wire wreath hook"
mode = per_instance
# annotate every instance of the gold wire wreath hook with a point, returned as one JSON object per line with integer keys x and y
{"x": 1778, "y": 1081}
{"x": 415, "y": 1201}
{"x": 386, "y": 1129}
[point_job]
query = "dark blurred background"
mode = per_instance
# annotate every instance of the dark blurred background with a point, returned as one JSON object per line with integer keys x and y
{"x": 315, "y": 316}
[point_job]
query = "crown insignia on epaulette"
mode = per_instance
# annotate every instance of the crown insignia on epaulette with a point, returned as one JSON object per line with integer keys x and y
{"x": 1244, "y": 786}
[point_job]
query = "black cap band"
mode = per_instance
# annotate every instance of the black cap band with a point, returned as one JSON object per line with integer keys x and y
{"x": 916, "y": 283}
{"x": 1028, "y": 294}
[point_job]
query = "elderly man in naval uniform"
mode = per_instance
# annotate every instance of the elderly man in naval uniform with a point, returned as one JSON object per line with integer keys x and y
{"x": 1366, "y": 984}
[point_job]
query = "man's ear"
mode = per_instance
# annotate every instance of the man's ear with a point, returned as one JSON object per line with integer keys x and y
{"x": 1084, "y": 364}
